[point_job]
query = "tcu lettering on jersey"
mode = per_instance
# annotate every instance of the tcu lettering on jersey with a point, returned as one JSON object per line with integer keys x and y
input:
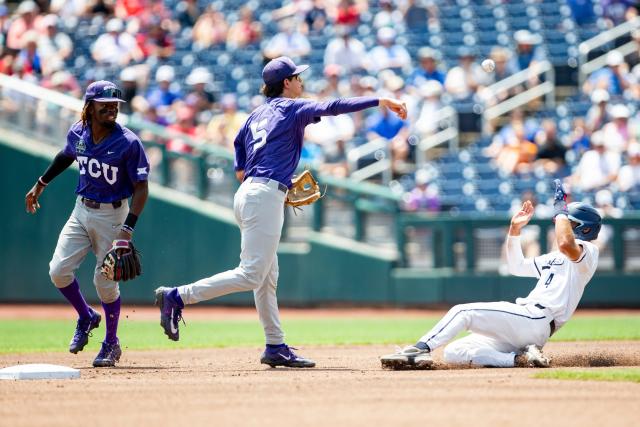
{"x": 97, "y": 169}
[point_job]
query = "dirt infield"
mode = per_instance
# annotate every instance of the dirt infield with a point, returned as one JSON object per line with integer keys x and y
{"x": 221, "y": 387}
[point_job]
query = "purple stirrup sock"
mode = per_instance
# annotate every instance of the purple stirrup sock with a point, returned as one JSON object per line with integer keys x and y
{"x": 112, "y": 314}
{"x": 74, "y": 296}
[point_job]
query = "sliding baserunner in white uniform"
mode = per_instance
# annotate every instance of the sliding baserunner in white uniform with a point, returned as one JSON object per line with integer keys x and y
{"x": 505, "y": 334}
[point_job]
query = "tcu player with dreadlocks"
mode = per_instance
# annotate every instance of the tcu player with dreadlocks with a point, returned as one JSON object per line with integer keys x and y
{"x": 113, "y": 167}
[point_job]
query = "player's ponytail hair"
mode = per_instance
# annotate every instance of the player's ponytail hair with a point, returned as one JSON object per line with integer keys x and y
{"x": 274, "y": 90}
{"x": 84, "y": 117}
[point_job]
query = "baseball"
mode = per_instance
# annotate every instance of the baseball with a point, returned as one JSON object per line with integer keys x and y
{"x": 488, "y": 65}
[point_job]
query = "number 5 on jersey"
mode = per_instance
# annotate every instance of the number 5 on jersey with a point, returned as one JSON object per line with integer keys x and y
{"x": 259, "y": 134}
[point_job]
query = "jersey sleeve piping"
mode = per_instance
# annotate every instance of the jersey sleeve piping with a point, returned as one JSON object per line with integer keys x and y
{"x": 583, "y": 256}
{"x": 535, "y": 264}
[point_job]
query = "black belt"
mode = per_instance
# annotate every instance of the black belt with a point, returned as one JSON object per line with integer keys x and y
{"x": 263, "y": 180}
{"x": 96, "y": 205}
{"x": 552, "y": 324}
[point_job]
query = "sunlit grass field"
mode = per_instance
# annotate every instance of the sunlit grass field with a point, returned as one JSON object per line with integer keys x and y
{"x": 625, "y": 374}
{"x": 54, "y": 335}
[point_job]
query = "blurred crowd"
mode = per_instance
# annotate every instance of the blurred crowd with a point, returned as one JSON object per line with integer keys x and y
{"x": 140, "y": 37}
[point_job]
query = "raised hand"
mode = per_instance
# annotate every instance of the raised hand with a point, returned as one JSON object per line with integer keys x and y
{"x": 559, "y": 199}
{"x": 523, "y": 216}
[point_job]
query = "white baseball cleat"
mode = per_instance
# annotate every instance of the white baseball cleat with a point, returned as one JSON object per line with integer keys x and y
{"x": 410, "y": 357}
{"x": 532, "y": 357}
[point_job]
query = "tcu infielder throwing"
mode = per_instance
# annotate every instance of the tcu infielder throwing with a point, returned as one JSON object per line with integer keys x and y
{"x": 267, "y": 149}
{"x": 506, "y": 334}
{"x": 113, "y": 166}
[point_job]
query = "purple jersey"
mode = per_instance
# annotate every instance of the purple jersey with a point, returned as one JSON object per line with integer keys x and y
{"x": 107, "y": 170}
{"x": 270, "y": 142}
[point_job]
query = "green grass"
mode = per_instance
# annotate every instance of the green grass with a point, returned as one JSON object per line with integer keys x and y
{"x": 628, "y": 374}
{"x": 54, "y": 335}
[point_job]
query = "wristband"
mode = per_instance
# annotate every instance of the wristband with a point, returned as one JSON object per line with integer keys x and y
{"x": 127, "y": 229}
{"x": 130, "y": 221}
{"x": 561, "y": 215}
{"x": 41, "y": 182}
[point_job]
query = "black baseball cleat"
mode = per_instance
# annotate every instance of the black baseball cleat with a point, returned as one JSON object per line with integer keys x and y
{"x": 170, "y": 313}
{"x": 83, "y": 331}
{"x": 108, "y": 356}
{"x": 283, "y": 356}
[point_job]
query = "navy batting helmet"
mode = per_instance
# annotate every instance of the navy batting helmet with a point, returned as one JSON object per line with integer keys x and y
{"x": 588, "y": 219}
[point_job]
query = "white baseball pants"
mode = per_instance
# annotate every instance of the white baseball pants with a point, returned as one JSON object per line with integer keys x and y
{"x": 87, "y": 229}
{"x": 499, "y": 331}
{"x": 259, "y": 211}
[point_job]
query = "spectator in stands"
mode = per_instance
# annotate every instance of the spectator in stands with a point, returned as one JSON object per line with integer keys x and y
{"x": 616, "y": 133}
{"x": 388, "y": 16}
{"x": 517, "y": 154}
{"x": 245, "y": 31}
{"x": 429, "y": 118}
{"x": 184, "y": 125}
{"x": 551, "y": 152}
{"x": 144, "y": 11}
{"x": 163, "y": 95}
{"x": 316, "y": 18}
{"x": 423, "y": 197}
{"x": 201, "y": 96}
{"x": 528, "y": 54}
{"x": 330, "y": 135}
{"x": 388, "y": 54}
{"x": 467, "y": 78}
{"x": 348, "y": 13}
{"x": 116, "y": 47}
{"x": 385, "y": 125}
{"x": 210, "y": 29}
{"x": 615, "y": 12}
{"x": 582, "y": 11}
{"x": 345, "y": 51}
{"x": 53, "y": 42}
{"x": 27, "y": 20}
{"x": 418, "y": 16}
{"x": 598, "y": 167}
{"x": 145, "y": 111}
{"x": 63, "y": 82}
{"x": 129, "y": 86}
{"x": 223, "y": 128}
{"x": 333, "y": 88}
{"x": 187, "y": 13}
{"x": 629, "y": 176}
{"x": 29, "y": 57}
{"x": 428, "y": 69}
{"x": 288, "y": 42}
{"x": 74, "y": 8}
{"x": 598, "y": 114}
{"x": 579, "y": 138}
{"x": 156, "y": 41}
{"x": 613, "y": 78}
{"x": 7, "y": 60}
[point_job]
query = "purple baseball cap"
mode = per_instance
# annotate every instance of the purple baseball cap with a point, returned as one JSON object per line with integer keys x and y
{"x": 103, "y": 91}
{"x": 279, "y": 69}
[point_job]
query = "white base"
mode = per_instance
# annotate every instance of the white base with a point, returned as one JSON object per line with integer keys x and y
{"x": 38, "y": 371}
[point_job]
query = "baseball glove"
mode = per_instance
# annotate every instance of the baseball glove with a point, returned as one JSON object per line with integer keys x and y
{"x": 304, "y": 190}
{"x": 122, "y": 262}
